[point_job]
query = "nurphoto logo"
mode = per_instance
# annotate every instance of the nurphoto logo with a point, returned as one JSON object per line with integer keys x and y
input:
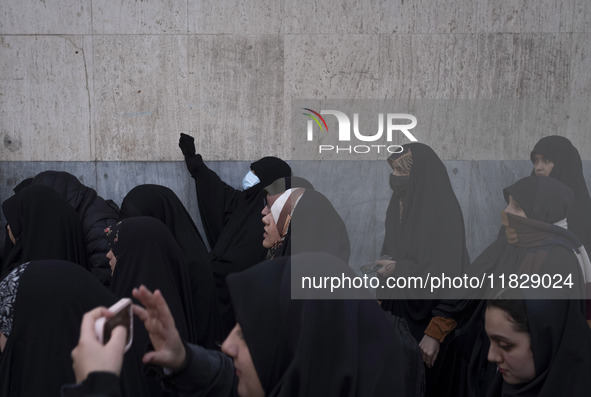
{"x": 395, "y": 123}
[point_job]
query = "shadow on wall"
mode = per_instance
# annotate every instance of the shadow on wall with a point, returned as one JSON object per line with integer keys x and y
{"x": 359, "y": 190}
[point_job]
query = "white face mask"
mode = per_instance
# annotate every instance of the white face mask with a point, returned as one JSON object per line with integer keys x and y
{"x": 250, "y": 179}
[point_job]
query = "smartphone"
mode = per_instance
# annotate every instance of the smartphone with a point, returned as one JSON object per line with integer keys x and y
{"x": 123, "y": 316}
{"x": 373, "y": 266}
{"x": 370, "y": 268}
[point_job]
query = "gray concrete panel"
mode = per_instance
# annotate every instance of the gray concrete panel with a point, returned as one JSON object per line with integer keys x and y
{"x": 236, "y": 101}
{"x": 580, "y": 79}
{"x": 331, "y": 66}
{"x": 582, "y": 16}
{"x": 333, "y": 17}
{"x": 228, "y": 72}
{"x": 425, "y": 16}
{"x": 522, "y": 16}
{"x": 524, "y": 66}
{"x": 139, "y": 17}
{"x": 442, "y": 66}
{"x": 242, "y": 17}
{"x": 141, "y": 97}
{"x": 45, "y": 98}
{"x": 46, "y": 17}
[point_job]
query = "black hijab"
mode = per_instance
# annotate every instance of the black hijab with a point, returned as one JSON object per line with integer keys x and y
{"x": 51, "y": 299}
{"x": 147, "y": 254}
{"x": 315, "y": 226}
{"x": 280, "y": 185}
{"x": 561, "y": 346}
{"x": 429, "y": 235}
{"x": 315, "y": 347}
{"x": 229, "y": 215}
{"x": 568, "y": 169}
{"x": 528, "y": 245}
{"x": 534, "y": 244}
{"x": 232, "y": 223}
{"x": 45, "y": 227}
{"x": 541, "y": 198}
{"x": 430, "y": 230}
{"x": 163, "y": 204}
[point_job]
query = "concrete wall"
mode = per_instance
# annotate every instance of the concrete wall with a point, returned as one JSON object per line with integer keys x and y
{"x": 102, "y": 88}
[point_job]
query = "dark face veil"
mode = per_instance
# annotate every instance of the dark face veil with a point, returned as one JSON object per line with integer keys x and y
{"x": 424, "y": 221}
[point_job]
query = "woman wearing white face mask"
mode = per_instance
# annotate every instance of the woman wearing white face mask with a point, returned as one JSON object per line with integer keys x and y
{"x": 231, "y": 217}
{"x": 249, "y": 180}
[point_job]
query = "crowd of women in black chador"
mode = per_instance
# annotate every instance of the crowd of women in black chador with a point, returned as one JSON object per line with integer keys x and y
{"x": 220, "y": 321}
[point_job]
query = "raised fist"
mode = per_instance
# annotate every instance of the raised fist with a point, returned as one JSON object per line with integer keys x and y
{"x": 187, "y": 145}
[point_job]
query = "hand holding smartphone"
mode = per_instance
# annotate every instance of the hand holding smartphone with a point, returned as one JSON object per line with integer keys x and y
{"x": 375, "y": 266}
{"x": 123, "y": 315}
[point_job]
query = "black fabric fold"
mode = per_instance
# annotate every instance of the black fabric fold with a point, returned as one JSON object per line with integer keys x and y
{"x": 315, "y": 226}
{"x": 427, "y": 236}
{"x": 546, "y": 200}
{"x": 163, "y": 204}
{"x": 52, "y": 297}
{"x": 46, "y": 227}
{"x": 147, "y": 254}
{"x": 340, "y": 347}
{"x": 568, "y": 169}
{"x": 232, "y": 222}
{"x": 561, "y": 346}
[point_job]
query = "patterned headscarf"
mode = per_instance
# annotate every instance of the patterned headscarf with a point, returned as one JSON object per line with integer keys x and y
{"x": 282, "y": 208}
{"x": 404, "y": 162}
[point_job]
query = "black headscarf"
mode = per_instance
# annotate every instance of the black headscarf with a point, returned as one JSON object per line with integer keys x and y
{"x": 561, "y": 346}
{"x": 315, "y": 347}
{"x": 232, "y": 222}
{"x": 289, "y": 182}
{"x": 315, "y": 226}
{"x": 429, "y": 235}
{"x": 227, "y": 213}
{"x": 147, "y": 254}
{"x": 45, "y": 227}
{"x": 95, "y": 214}
{"x": 528, "y": 245}
{"x": 51, "y": 299}
{"x": 163, "y": 204}
{"x": 541, "y": 198}
{"x": 568, "y": 169}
